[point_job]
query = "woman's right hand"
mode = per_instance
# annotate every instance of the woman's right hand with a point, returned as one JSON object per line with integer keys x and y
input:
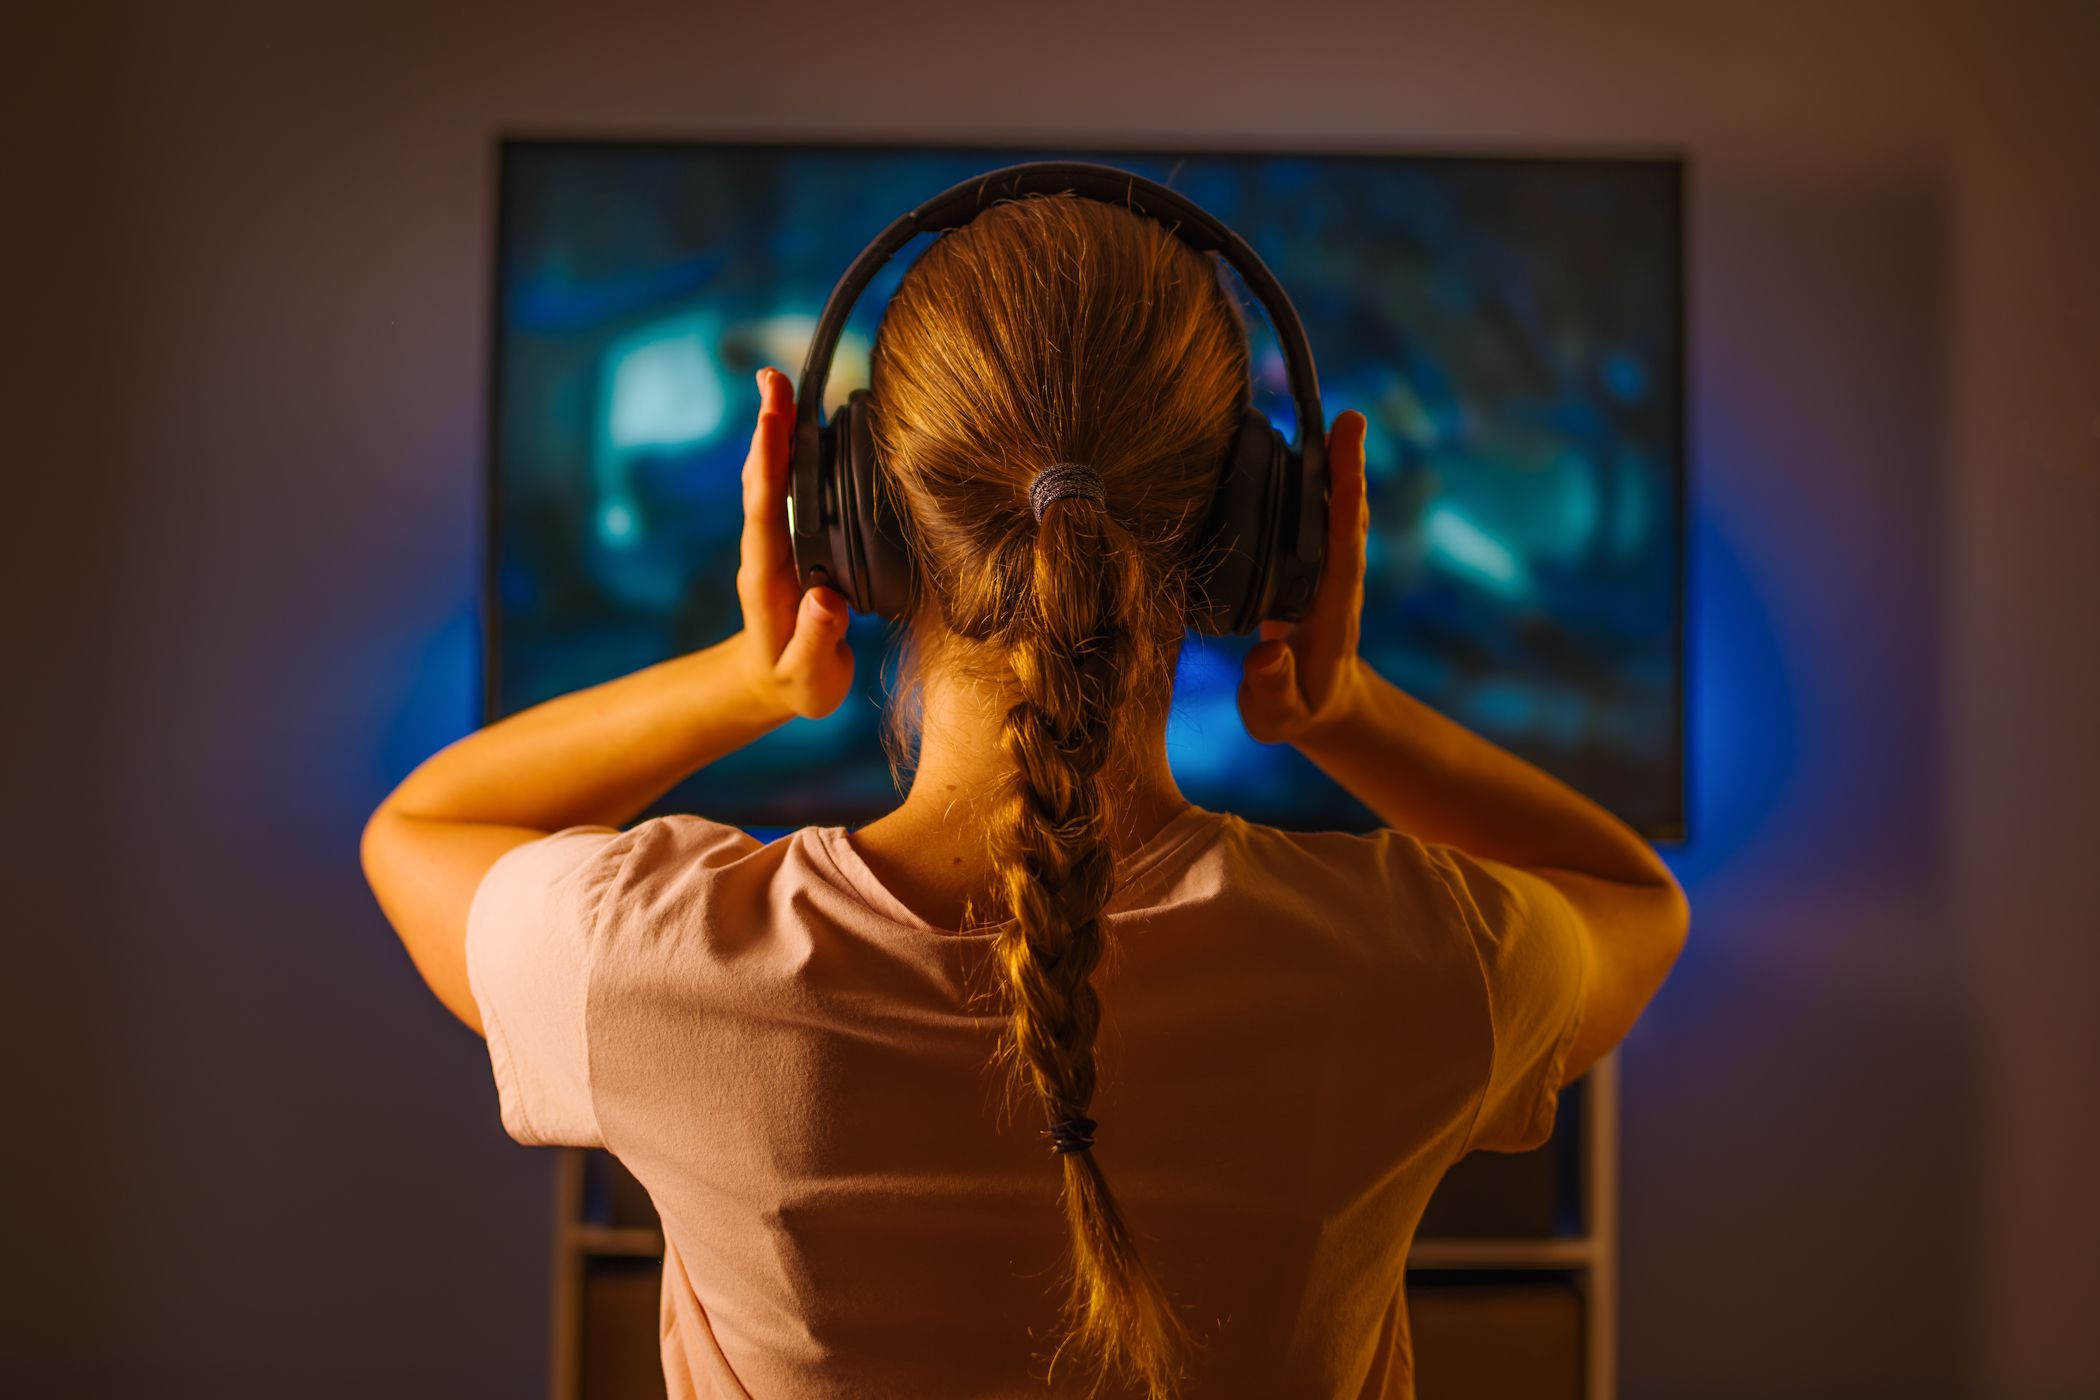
{"x": 1304, "y": 675}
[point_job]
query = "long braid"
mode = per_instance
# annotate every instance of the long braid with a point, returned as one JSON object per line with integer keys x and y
{"x": 1049, "y": 328}
{"x": 1071, "y": 650}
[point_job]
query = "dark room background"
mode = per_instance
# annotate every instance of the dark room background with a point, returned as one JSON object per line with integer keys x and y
{"x": 248, "y": 273}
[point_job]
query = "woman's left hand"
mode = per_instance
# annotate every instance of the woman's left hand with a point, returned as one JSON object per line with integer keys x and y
{"x": 795, "y": 639}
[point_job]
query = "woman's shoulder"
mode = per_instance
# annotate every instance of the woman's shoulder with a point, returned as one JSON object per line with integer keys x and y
{"x": 1353, "y": 878}
{"x": 1380, "y": 848}
{"x": 689, "y": 835}
{"x": 670, "y": 858}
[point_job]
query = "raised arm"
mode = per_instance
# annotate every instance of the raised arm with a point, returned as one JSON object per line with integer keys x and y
{"x": 599, "y": 756}
{"x": 1431, "y": 777}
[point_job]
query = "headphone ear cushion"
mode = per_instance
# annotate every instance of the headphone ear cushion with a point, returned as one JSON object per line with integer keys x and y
{"x": 1230, "y": 563}
{"x": 881, "y": 566}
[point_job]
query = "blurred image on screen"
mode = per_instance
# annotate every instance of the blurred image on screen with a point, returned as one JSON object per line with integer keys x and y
{"x": 1511, "y": 328}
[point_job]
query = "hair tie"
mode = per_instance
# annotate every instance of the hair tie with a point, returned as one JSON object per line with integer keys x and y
{"x": 1074, "y": 1134}
{"x": 1063, "y": 479}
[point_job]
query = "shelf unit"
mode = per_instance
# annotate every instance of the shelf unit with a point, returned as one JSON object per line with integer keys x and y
{"x": 1495, "y": 1310}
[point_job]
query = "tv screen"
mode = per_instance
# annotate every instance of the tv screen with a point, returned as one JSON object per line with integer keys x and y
{"x": 1511, "y": 327}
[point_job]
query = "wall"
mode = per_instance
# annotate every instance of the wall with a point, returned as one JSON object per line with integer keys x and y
{"x": 250, "y": 261}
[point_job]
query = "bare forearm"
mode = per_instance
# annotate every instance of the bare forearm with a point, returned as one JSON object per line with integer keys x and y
{"x": 597, "y": 756}
{"x": 1430, "y": 776}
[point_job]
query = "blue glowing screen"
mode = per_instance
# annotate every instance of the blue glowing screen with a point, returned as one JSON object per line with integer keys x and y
{"x": 1510, "y": 327}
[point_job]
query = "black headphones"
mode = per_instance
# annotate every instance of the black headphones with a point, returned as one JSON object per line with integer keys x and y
{"x": 1261, "y": 549}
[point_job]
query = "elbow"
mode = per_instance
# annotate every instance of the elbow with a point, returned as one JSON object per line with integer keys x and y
{"x": 1675, "y": 923}
{"x": 373, "y": 846}
{"x": 1679, "y": 907}
{"x": 1659, "y": 919}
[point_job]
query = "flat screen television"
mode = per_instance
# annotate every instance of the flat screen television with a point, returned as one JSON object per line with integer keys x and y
{"x": 1512, "y": 328}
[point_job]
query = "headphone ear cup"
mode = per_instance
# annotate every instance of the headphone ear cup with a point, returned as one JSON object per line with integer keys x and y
{"x": 813, "y": 504}
{"x": 879, "y": 561}
{"x": 1230, "y": 566}
{"x": 1301, "y": 545}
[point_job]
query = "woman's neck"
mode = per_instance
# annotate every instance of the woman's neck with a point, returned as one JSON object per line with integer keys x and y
{"x": 930, "y": 851}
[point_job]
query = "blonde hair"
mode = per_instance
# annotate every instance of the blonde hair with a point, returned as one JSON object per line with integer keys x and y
{"x": 1058, "y": 328}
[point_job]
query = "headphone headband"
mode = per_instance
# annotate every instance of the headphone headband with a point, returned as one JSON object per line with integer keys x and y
{"x": 1257, "y": 554}
{"x": 960, "y": 203}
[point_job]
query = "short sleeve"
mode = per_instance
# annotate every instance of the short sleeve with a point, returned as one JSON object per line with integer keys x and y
{"x": 531, "y": 932}
{"x": 1534, "y": 960}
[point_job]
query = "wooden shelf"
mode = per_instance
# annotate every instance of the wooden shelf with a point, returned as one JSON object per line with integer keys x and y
{"x": 1566, "y": 1252}
{"x": 623, "y": 1240}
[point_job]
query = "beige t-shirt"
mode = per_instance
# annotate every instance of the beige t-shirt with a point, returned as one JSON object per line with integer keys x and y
{"x": 1300, "y": 1033}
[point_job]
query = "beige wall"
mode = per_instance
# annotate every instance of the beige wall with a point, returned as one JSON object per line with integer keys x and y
{"x": 252, "y": 243}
